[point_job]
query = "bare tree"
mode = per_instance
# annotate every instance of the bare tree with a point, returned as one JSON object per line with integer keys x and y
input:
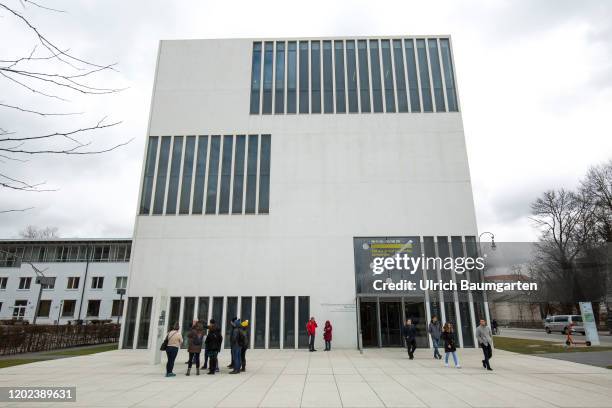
{"x": 565, "y": 221}
{"x": 48, "y": 71}
{"x": 597, "y": 185}
{"x": 33, "y": 232}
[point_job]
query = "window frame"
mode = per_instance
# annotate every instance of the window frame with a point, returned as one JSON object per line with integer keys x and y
{"x": 73, "y": 279}
{"x": 99, "y": 283}
{"x": 97, "y": 302}
{"x": 27, "y": 283}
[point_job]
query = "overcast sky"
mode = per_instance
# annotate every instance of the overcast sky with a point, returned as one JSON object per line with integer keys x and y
{"x": 534, "y": 79}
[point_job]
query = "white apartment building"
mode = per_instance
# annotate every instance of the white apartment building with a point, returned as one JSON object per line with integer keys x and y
{"x": 85, "y": 275}
{"x": 275, "y": 169}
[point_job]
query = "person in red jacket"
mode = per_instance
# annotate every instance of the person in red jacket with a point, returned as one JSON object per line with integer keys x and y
{"x": 327, "y": 335}
{"x": 311, "y": 328}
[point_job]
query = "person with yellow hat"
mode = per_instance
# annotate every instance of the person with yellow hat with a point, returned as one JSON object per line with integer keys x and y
{"x": 245, "y": 342}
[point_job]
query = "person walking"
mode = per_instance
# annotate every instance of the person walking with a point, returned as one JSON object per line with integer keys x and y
{"x": 327, "y": 335}
{"x": 175, "y": 339}
{"x": 485, "y": 340}
{"x": 410, "y": 332}
{"x": 213, "y": 346}
{"x": 448, "y": 337}
{"x": 435, "y": 331}
{"x": 246, "y": 342}
{"x": 236, "y": 342}
{"x": 311, "y": 329}
{"x": 196, "y": 339}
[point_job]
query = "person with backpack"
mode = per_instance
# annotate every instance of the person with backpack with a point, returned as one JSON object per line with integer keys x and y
{"x": 448, "y": 337}
{"x": 409, "y": 331}
{"x": 311, "y": 329}
{"x": 435, "y": 331}
{"x": 196, "y": 338}
{"x": 173, "y": 342}
{"x": 236, "y": 342}
{"x": 244, "y": 327}
{"x": 327, "y": 335}
{"x": 212, "y": 345}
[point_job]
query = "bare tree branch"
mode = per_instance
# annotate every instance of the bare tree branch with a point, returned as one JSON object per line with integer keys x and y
{"x": 32, "y": 89}
{"x": 72, "y": 151}
{"x": 45, "y": 42}
{"x": 62, "y": 72}
{"x": 99, "y": 125}
{"x": 18, "y": 210}
{"x": 44, "y": 7}
{"x": 39, "y": 113}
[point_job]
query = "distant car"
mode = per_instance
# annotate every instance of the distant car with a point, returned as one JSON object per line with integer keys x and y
{"x": 563, "y": 323}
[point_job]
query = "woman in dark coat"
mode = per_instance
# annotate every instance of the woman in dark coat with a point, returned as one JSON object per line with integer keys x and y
{"x": 196, "y": 338}
{"x": 327, "y": 335}
{"x": 448, "y": 337}
{"x": 213, "y": 347}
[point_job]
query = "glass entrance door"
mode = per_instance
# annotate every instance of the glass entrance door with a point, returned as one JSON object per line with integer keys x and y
{"x": 369, "y": 322}
{"x": 391, "y": 322}
{"x": 381, "y": 320}
{"x": 415, "y": 310}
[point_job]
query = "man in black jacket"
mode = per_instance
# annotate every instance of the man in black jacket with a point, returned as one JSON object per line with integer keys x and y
{"x": 236, "y": 342}
{"x": 409, "y": 331}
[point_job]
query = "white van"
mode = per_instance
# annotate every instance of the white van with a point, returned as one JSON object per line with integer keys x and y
{"x": 562, "y": 323}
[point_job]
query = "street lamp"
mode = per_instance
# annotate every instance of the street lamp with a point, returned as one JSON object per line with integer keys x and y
{"x": 484, "y": 293}
{"x": 120, "y": 292}
{"x": 42, "y": 281}
{"x": 59, "y": 310}
{"x": 493, "y": 246}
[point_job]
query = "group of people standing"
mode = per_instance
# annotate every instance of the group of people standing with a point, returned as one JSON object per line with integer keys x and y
{"x": 444, "y": 336}
{"x": 211, "y": 339}
{"x": 311, "y": 329}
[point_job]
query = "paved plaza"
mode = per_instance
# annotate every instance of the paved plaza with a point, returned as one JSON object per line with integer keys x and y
{"x": 340, "y": 378}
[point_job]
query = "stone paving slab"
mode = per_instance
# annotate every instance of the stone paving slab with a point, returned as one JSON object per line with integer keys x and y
{"x": 340, "y": 378}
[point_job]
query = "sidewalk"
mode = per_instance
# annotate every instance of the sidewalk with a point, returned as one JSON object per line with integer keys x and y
{"x": 340, "y": 378}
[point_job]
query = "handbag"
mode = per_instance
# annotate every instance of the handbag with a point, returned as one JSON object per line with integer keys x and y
{"x": 164, "y": 345}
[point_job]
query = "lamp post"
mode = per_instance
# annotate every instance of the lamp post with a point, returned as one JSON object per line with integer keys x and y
{"x": 120, "y": 292}
{"x": 493, "y": 246}
{"x": 42, "y": 281}
{"x": 59, "y": 310}
{"x": 484, "y": 293}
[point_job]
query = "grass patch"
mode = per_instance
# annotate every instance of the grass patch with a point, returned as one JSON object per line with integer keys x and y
{"x": 527, "y": 346}
{"x": 84, "y": 351}
{"x": 10, "y": 362}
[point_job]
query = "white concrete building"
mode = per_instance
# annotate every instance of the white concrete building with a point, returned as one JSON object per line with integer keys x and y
{"x": 275, "y": 170}
{"x": 85, "y": 274}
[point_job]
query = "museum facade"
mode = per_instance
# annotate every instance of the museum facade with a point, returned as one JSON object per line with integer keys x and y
{"x": 275, "y": 170}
